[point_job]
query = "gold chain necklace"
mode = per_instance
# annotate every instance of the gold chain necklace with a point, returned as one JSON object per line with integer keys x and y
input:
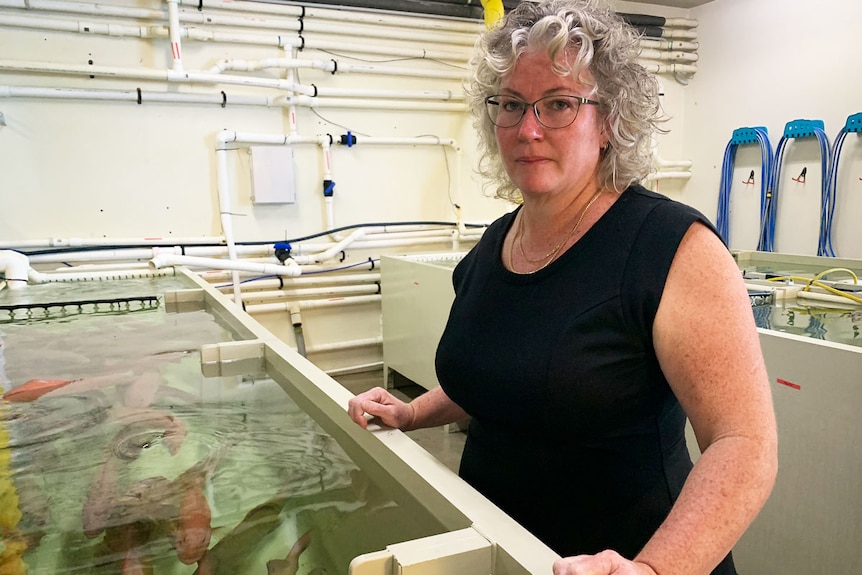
{"x": 550, "y": 256}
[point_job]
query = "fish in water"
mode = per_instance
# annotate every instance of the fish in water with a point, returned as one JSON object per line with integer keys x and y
{"x": 99, "y": 503}
{"x": 34, "y": 389}
{"x": 192, "y": 530}
{"x": 142, "y": 392}
{"x": 127, "y": 540}
{"x": 229, "y": 555}
{"x": 135, "y": 564}
{"x": 290, "y": 564}
{"x": 84, "y": 385}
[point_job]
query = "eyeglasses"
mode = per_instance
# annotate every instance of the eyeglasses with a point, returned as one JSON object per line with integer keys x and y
{"x": 557, "y": 111}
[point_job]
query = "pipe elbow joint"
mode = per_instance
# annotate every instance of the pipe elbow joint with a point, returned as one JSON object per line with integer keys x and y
{"x": 15, "y": 267}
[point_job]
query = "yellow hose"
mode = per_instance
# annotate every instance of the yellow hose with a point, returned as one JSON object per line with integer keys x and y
{"x": 493, "y": 12}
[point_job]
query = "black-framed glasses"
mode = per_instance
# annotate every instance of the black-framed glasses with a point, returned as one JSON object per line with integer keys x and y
{"x": 557, "y": 111}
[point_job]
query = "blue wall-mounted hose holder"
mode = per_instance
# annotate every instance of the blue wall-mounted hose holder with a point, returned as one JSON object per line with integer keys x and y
{"x": 854, "y": 123}
{"x": 746, "y": 135}
{"x": 802, "y": 128}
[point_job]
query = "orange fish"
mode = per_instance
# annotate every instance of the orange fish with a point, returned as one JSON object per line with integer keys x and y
{"x": 34, "y": 389}
{"x": 193, "y": 530}
{"x": 100, "y": 499}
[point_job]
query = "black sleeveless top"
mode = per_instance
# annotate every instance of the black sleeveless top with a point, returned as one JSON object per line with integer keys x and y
{"x": 575, "y": 432}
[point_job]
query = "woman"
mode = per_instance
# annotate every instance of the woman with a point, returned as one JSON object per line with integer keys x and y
{"x": 588, "y": 323}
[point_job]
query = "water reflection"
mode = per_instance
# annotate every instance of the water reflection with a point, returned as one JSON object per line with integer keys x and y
{"x": 816, "y": 322}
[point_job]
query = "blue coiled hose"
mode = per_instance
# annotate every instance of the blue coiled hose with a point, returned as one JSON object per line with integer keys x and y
{"x": 853, "y": 124}
{"x": 798, "y": 129}
{"x": 745, "y": 136}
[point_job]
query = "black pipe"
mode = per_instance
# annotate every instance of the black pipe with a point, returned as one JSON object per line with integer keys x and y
{"x": 639, "y": 20}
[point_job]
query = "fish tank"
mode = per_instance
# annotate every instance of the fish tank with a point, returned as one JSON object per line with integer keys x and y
{"x": 149, "y": 426}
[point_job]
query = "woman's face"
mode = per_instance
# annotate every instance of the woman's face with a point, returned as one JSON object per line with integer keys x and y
{"x": 542, "y": 160}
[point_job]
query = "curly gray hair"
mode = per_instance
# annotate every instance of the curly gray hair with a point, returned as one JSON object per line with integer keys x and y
{"x": 599, "y": 42}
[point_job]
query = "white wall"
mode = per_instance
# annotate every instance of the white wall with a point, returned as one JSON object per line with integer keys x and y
{"x": 76, "y": 168}
{"x": 765, "y": 63}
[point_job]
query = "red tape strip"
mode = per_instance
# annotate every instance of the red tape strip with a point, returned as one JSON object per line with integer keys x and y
{"x": 788, "y": 383}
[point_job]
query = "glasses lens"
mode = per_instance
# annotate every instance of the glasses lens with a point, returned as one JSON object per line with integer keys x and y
{"x": 557, "y": 111}
{"x": 551, "y": 111}
{"x": 505, "y": 111}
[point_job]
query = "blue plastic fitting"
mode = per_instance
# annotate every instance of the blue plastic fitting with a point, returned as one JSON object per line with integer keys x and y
{"x": 282, "y": 251}
{"x": 854, "y": 123}
{"x": 802, "y": 128}
{"x": 348, "y": 140}
{"x": 328, "y": 188}
{"x": 746, "y": 135}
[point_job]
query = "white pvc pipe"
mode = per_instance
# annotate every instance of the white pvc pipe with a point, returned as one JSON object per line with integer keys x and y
{"x": 55, "y": 25}
{"x": 331, "y": 252}
{"x": 166, "y": 260}
{"x": 684, "y": 34}
{"x": 667, "y": 176}
{"x": 15, "y": 267}
{"x": 142, "y": 97}
{"x": 102, "y": 255}
{"x": 323, "y": 13}
{"x": 342, "y": 345}
{"x": 57, "y": 242}
{"x": 202, "y": 35}
{"x": 372, "y": 239}
{"x": 175, "y": 31}
{"x": 315, "y": 280}
{"x": 663, "y": 55}
{"x": 658, "y": 44}
{"x": 421, "y": 140}
{"x": 223, "y": 187}
{"x": 206, "y": 78}
{"x": 803, "y": 294}
{"x": 329, "y": 291}
{"x": 212, "y": 276}
{"x": 312, "y": 304}
{"x": 333, "y": 67}
{"x": 660, "y": 162}
{"x": 175, "y": 34}
{"x": 312, "y": 102}
{"x": 41, "y": 278}
{"x": 380, "y": 29}
{"x": 358, "y": 368}
{"x": 680, "y": 23}
{"x": 668, "y": 68}
{"x": 84, "y": 8}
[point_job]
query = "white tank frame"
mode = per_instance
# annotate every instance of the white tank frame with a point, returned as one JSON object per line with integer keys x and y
{"x": 480, "y": 538}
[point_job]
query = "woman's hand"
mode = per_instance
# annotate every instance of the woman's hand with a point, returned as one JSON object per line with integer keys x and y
{"x": 384, "y": 406}
{"x": 604, "y": 563}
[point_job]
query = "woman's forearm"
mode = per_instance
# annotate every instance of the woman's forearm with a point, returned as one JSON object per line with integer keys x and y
{"x": 434, "y": 408}
{"x": 721, "y": 497}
